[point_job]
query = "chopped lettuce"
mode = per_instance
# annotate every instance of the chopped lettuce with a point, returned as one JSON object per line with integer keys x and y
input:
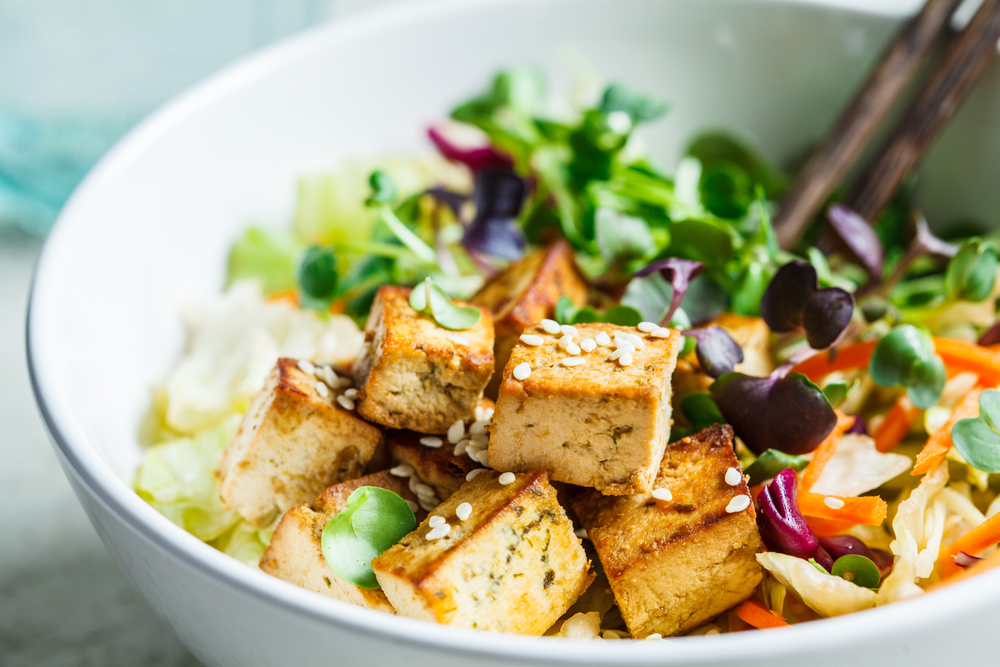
{"x": 825, "y": 594}
{"x": 857, "y": 466}
{"x": 268, "y": 255}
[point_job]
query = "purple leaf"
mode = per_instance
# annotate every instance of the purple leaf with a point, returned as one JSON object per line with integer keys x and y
{"x": 453, "y": 200}
{"x": 498, "y": 195}
{"x": 963, "y": 559}
{"x": 826, "y": 315}
{"x": 794, "y": 302}
{"x": 476, "y": 159}
{"x": 992, "y": 335}
{"x": 859, "y": 236}
{"x": 679, "y": 273}
{"x": 781, "y": 523}
{"x": 717, "y": 352}
{"x": 789, "y": 414}
{"x": 859, "y": 426}
{"x": 931, "y": 244}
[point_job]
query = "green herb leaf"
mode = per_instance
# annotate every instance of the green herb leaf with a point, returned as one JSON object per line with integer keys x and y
{"x": 383, "y": 189}
{"x": 564, "y": 310}
{"x": 640, "y": 107}
{"x": 972, "y": 272}
{"x": 816, "y": 565}
{"x": 977, "y": 439}
{"x": 905, "y": 357}
{"x": 430, "y": 299}
{"x": 858, "y": 570}
{"x": 267, "y": 255}
{"x": 701, "y": 411}
{"x": 623, "y": 316}
{"x": 383, "y": 192}
{"x": 374, "y": 520}
{"x": 621, "y": 238}
{"x": 318, "y": 277}
{"x": 770, "y": 463}
{"x": 837, "y": 392}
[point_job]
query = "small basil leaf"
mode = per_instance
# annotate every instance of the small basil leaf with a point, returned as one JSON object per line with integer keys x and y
{"x": 717, "y": 352}
{"x": 701, "y": 411}
{"x": 977, "y": 439}
{"x": 786, "y": 296}
{"x": 621, "y": 238}
{"x": 858, "y": 570}
{"x": 374, "y": 520}
{"x": 905, "y": 357}
{"x": 826, "y": 314}
{"x": 972, "y": 272}
{"x": 318, "y": 277}
{"x": 679, "y": 273}
{"x": 789, "y": 414}
{"x": 640, "y": 107}
{"x": 430, "y": 299}
{"x": 770, "y": 463}
{"x": 859, "y": 236}
{"x": 498, "y": 195}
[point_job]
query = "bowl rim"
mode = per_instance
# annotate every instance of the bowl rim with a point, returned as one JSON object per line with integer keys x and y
{"x": 81, "y": 460}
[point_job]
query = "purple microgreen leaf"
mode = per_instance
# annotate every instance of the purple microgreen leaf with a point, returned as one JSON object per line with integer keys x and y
{"x": 789, "y": 414}
{"x": 476, "y": 159}
{"x": 786, "y": 296}
{"x": 991, "y": 336}
{"x": 859, "y": 427}
{"x": 717, "y": 352}
{"x": 963, "y": 559}
{"x": 826, "y": 314}
{"x": 930, "y": 244}
{"x": 782, "y": 525}
{"x": 859, "y": 236}
{"x": 498, "y": 195}
{"x": 453, "y": 200}
{"x": 679, "y": 273}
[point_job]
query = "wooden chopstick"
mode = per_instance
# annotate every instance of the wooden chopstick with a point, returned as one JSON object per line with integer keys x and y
{"x": 859, "y": 121}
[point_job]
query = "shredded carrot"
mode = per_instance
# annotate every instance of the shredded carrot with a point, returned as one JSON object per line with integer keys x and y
{"x": 939, "y": 444}
{"x": 964, "y": 573}
{"x": 754, "y": 613}
{"x": 828, "y": 527}
{"x": 288, "y": 296}
{"x": 978, "y": 539}
{"x": 896, "y": 425}
{"x": 821, "y": 365}
{"x": 867, "y": 510}
{"x": 825, "y": 452}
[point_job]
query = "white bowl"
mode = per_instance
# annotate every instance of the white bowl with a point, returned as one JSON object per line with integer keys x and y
{"x": 150, "y": 226}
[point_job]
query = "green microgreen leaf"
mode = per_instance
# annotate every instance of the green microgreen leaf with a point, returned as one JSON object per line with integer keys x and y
{"x": 318, "y": 277}
{"x": 816, "y": 565}
{"x": 268, "y": 255}
{"x": 770, "y": 463}
{"x": 837, "y": 392}
{"x": 621, "y": 238}
{"x": 374, "y": 520}
{"x": 858, "y": 570}
{"x": 430, "y": 299}
{"x": 972, "y": 272}
{"x": 701, "y": 411}
{"x": 383, "y": 189}
{"x": 640, "y": 107}
{"x": 905, "y": 357}
{"x": 977, "y": 439}
{"x": 566, "y": 313}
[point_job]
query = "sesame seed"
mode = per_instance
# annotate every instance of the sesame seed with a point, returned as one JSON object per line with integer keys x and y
{"x": 565, "y": 341}
{"x": 622, "y": 344}
{"x": 738, "y": 504}
{"x": 713, "y": 631}
{"x": 506, "y": 478}
{"x": 480, "y": 440}
{"x": 473, "y": 453}
{"x": 435, "y": 521}
{"x": 571, "y": 361}
{"x": 351, "y": 393}
{"x": 647, "y": 327}
{"x": 431, "y": 441}
{"x": 833, "y": 503}
{"x": 322, "y": 389}
{"x": 463, "y": 511}
{"x": 632, "y": 338}
{"x": 662, "y": 332}
{"x": 306, "y": 366}
{"x": 459, "y": 340}
{"x": 327, "y": 374}
{"x": 588, "y": 344}
{"x": 483, "y": 457}
{"x": 733, "y": 477}
{"x": 345, "y": 402}
{"x": 456, "y": 431}
{"x": 422, "y": 489}
{"x": 619, "y": 352}
{"x": 478, "y": 427}
{"x": 402, "y": 470}
{"x": 473, "y": 474}
{"x": 625, "y": 359}
{"x": 573, "y": 348}
{"x": 488, "y": 413}
{"x": 478, "y": 412}
{"x": 344, "y": 382}
{"x": 581, "y": 533}
{"x": 461, "y": 447}
{"x": 439, "y": 532}
{"x": 412, "y": 505}
{"x": 569, "y": 330}
{"x": 550, "y": 326}
{"x": 428, "y": 504}
{"x": 655, "y": 635}
{"x": 522, "y": 371}
{"x": 610, "y": 634}
{"x": 602, "y": 339}
{"x": 412, "y": 483}
{"x": 662, "y": 494}
{"x": 532, "y": 339}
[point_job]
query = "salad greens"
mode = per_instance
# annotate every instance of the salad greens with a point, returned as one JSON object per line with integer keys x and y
{"x": 430, "y": 299}
{"x": 977, "y": 439}
{"x": 905, "y": 357}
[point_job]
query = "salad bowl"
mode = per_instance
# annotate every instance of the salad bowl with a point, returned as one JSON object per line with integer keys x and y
{"x": 149, "y": 229}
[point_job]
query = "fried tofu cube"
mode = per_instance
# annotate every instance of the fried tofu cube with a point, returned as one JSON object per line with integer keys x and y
{"x": 513, "y": 565}
{"x": 413, "y": 374}
{"x": 439, "y": 467}
{"x": 526, "y": 293}
{"x": 296, "y": 554}
{"x": 674, "y": 565}
{"x": 599, "y": 424}
{"x": 294, "y": 441}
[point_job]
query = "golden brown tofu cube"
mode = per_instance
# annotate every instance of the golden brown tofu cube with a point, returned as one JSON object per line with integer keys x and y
{"x": 438, "y": 467}
{"x": 673, "y": 565}
{"x": 513, "y": 565}
{"x": 598, "y": 424}
{"x": 526, "y": 293}
{"x": 295, "y": 440}
{"x": 413, "y": 374}
{"x": 296, "y": 554}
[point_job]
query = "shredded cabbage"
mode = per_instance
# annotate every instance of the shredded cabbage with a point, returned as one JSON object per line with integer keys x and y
{"x": 825, "y": 594}
{"x": 857, "y": 466}
{"x": 268, "y": 255}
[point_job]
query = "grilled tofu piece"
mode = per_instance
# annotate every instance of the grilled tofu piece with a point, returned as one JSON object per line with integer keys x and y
{"x": 293, "y": 442}
{"x": 514, "y": 565}
{"x": 413, "y": 374}
{"x": 674, "y": 565}
{"x": 296, "y": 554}
{"x": 597, "y": 424}
{"x": 526, "y": 293}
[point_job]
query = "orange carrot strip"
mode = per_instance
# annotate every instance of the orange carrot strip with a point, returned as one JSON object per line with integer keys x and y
{"x": 828, "y": 527}
{"x": 978, "y": 539}
{"x": 753, "y": 612}
{"x": 939, "y": 444}
{"x": 288, "y": 296}
{"x": 896, "y": 425}
{"x": 820, "y": 365}
{"x": 966, "y": 572}
{"x": 868, "y": 510}
{"x": 825, "y": 452}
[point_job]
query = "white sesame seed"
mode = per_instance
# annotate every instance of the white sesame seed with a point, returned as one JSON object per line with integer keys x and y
{"x": 522, "y": 371}
{"x": 550, "y": 326}
{"x": 581, "y": 533}
{"x": 602, "y": 339}
{"x": 461, "y": 447}
{"x": 532, "y": 340}
{"x": 478, "y": 427}
{"x": 459, "y": 340}
{"x": 428, "y": 504}
{"x": 733, "y": 477}
{"x": 488, "y": 413}
{"x": 571, "y": 361}
{"x": 435, "y": 521}
{"x": 625, "y": 359}
{"x": 632, "y": 338}
{"x": 588, "y": 344}
{"x": 306, "y": 366}
{"x": 610, "y": 634}
{"x": 483, "y": 457}
{"x": 738, "y": 504}
{"x": 431, "y": 441}
{"x": 646, "y": 327}
{"x": 473, "y": 453}
{"x": 344, "y": 382}
{"x": 351, "y": 393}
{"x": 439, "y": 532}
{"x": 478, "y": 412}
{"x": 412, "y": 483}
{"x": 345, "y": 402}
{"x": 480, "y": 440}
{"x": 833, "y": 503}
{"x": 566, "y": 341}
{"x": 422, "y": 489}
{"x": 506, "y": 478}
{"x": 655, "y": 635}
{"x": 662, "y": 332}
{"x": 473, "y": 474}
{"x": 662, "y": 494}
{"x": 322, "y": 389}
{"x": 456, "y": 431}
{"x": 622, "y": 344}
{"x": 327, "y": 374}
{"x": 569, "y": 330}
{"x": 463, "y": 511}
{"x": 573, "y": 348}
{"x": 619, "y": 352}
{"x": 402, "y": 470}
{"x": 412, "y": 505}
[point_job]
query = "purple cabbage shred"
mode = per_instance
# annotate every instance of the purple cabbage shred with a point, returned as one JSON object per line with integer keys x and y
{"x": 476, "y": 159}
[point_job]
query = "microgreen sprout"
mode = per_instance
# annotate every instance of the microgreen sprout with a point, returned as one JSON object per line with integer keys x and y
{"x": 430, "y": 299}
